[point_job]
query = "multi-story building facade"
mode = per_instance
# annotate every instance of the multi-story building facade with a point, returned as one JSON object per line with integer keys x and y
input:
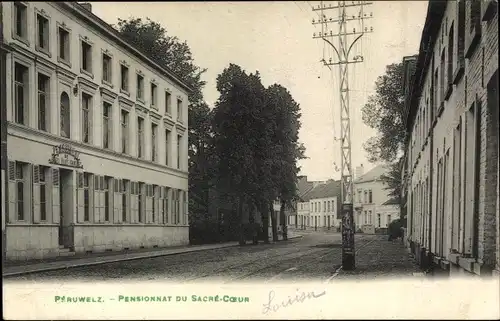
{"x": 452, "y": 146}
{"x": 97, "y": 136}
{"x": 374, "y": 208}
{"x": 319, "y": 208}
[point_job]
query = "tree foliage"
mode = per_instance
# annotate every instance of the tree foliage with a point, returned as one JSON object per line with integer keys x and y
{"x": 256, "y": 139}
{"x": 384, "y": 112}
{"x": 392, "y": 179}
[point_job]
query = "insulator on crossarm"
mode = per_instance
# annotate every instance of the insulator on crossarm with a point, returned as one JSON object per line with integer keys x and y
{"x": 320, "y": 34}
{"x": 314, "y": 34}
{"x": 371, "y": 28}
{"x": 313, "y": 20}
{"x": 366, "y": 29}
{"x": 371, "y": 14}
{"x": 354, "y": 30}
{"x": 330, "y": 60}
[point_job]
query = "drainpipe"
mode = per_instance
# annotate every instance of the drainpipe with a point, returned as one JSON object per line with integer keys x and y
{"x": 3, "y": 137}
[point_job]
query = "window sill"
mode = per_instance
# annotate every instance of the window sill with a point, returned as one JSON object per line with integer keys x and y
{"x": 107, "y": 83}
{"x": 154, "y": 107}
{"x": 125, "y": 92}
{"x": 142, "y": 101}
{"x": 88, "y": 73}
{"x": 64, "y": 62}
{"x": 449, "y": 90}
{"x": 21, "y": 39}
{"x": 43, "y": 51}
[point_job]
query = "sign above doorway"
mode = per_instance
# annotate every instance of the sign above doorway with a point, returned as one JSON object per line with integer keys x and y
{"x": 65, "y": 155}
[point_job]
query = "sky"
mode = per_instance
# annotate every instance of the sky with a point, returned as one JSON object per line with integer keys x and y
{"x": 276, "y": 38}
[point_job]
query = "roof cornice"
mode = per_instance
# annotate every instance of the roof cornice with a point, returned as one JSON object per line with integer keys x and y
{"x": 109, "y": 31}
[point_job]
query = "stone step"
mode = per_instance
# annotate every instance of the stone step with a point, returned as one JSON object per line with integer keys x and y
{"x": 66, "y": 253}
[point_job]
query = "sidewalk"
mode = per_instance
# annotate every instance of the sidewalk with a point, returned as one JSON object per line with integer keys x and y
{"x": 381, "y": 258}
{"x": 23, "y": 267}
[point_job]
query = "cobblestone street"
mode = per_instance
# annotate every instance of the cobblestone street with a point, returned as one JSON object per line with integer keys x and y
{"x": 316, "y": 256}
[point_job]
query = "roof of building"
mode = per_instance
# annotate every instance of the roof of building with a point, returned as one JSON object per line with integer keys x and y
{"x": 89, "y": 17}
{"x": 435, "y": 14}
{"x": 304, "y": 186}
{"x": 392, "y": 201}
{"x": 329, "y": 189}
{"x": 373, "y": 174}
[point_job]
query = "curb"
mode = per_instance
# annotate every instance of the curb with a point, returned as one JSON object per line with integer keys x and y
{"x": 68, "y": 264}
{"x": 61, "y": 265}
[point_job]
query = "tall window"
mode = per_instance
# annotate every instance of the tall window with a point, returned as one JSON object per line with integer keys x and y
{"x": 154, "y": 96}
{"x": 107, "y": 183}
{"x": 86, "y": 104}
{"x": 442, "y": 77}
{"x": 106, "y": 124}
{"x": 140, "y": 137}
{"x": 43, "y": 95}
{"x": 168, "y": 103}
{"x": 42, "y": 25}
{"x": 86, "y": 57}
{"x": 366, "y": 197}
{"x": 370, "y": 198}
{"x": 389, "y": 219}
{"x": 370, "y": 217}
{"x": 106, "y": 68}
{"x": 21, "y": 94}
{"x": 179, "y": 110}
{"x": 451, "y": 50}
{"x": 123, "y": 190}
{"x": 64, "y": 44}
{"x": 179, "y": 137}
{"x": 21, "y": 21}
{"x": 167, "y": 147}
{"x": 124, "y": 131}
{"x": 17, "y": 178}
{"x": 43, "y": 192}
{"x": 154, "y": 142}
{"x": 140, "y": 87}
{"x": 436, "y": 92}
{"x": 86, "y": 197}
{"x": 379, "y": 220}
{"x": 65, "y": 116}
{"x": 142, "y": 191}
{"x": 124, "y": 77}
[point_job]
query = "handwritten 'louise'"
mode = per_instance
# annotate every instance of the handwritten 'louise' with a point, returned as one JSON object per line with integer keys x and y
{"x": 300, "y": 297}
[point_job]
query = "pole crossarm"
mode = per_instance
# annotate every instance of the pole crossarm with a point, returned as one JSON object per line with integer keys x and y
{"x": 359, "y": 3}
{"x": 322, "y": 36}
{"x": 330, "y": 20}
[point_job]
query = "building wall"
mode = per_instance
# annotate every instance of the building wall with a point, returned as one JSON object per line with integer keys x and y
{"x": 322, "y": 213}
{"x": 367, "y": 208}
{"x": 463, "y": 211}
{"x": 153, "y": 216}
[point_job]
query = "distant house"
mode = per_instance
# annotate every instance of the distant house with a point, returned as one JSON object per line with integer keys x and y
{"x": 320, "y": 207}
{"x": 374, "y": 208}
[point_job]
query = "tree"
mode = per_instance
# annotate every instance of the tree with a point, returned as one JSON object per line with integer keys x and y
{"x": 286, "y": 148}
{"x": 393, "y": 180}
{"x": 384, "y": 112}
{"x": 239, "y": 134}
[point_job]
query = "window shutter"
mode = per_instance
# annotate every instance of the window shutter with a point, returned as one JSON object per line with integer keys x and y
{"x": 56, "y": 202}
{"x": 80, "y": 199}
{"x": 36, "y": 194}
{"x": 97, "y": 199}
{"x": 12, "y": 192}
{"x": 117, "y": 209}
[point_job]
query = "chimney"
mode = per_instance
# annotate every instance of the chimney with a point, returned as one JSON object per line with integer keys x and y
{"x": 360, "y": 170}
{"x": 86, "y": 5}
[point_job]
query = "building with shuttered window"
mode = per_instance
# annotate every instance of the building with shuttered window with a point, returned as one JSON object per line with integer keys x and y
{"x": 97, "y": 137}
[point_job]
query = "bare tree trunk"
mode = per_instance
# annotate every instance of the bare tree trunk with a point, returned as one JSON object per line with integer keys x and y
{"x": 273, "y": 222}
{"x": 283, "y": 220}
{"x": 265, "y": 222}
